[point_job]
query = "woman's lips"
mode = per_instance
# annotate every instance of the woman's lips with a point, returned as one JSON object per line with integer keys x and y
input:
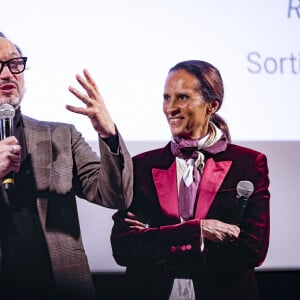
{"x": 174, "y": 121}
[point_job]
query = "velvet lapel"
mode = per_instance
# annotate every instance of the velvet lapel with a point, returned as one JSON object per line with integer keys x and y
{"x": 211, "y": 180}
{"x": 166, "y": 188}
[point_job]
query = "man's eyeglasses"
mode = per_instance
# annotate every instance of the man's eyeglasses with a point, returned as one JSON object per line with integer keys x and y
{"x": 15, "y": 65}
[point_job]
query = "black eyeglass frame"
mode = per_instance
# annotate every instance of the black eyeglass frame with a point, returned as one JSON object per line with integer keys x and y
{"x": 8, "y": 62}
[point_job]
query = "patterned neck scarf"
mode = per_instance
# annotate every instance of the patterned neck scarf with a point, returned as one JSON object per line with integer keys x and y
{"x": 193, "y": 152}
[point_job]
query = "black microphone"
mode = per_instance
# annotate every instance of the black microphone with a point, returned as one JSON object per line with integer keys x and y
{"x": 7, "y": 113}
{"x": 244, "y": 191}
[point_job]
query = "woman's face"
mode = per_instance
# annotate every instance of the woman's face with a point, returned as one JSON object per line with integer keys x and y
{"x": 184, "y": 106}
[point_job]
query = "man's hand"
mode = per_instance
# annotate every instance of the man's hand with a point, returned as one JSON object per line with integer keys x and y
{"x": 10, "y": 156}
{"x": 95, "y": 107}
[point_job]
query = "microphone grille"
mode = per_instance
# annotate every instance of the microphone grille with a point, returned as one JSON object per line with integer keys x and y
{"x": 245, "y": 188}
{"x": 7, "y": 111}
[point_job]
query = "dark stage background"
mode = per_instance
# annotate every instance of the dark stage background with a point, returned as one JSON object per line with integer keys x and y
{"x": 273, "y": 285}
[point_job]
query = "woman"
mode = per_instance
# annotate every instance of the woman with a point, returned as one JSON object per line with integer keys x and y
{"x": 180, "y": 238}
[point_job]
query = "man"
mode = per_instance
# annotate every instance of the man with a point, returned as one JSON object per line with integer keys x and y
{"x": 42, "y": 256}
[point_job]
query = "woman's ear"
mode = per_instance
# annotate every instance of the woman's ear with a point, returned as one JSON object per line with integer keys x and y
{"x": 213, "y": 106}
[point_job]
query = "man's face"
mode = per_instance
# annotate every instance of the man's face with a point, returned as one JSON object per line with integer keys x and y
{"x": 11, "y": 85}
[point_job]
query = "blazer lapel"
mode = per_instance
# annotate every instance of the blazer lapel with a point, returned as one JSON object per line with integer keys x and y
{"x": 211, "y": 180}
{"x": 166, "y": 187}
{"x": 58, "y": 209}
{"x": 38, "y": 144}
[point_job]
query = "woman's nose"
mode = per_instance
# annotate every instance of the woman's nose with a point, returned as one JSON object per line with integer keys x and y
{"x": 172, "y": 108}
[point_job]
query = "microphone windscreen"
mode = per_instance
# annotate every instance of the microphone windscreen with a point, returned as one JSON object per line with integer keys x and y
{"x": 6, "y": 111}
{"x": 245, "y": 189}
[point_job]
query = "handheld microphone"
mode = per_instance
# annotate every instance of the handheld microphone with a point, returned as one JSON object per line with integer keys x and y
{"x": 7, "y": 113}
{"x": 244, "y": 191}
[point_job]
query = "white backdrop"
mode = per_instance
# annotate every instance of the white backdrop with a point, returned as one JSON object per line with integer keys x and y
{"x": 129, "y": 46}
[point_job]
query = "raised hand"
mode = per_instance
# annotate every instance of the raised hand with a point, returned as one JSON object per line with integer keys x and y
{"x": 95, "y": 107}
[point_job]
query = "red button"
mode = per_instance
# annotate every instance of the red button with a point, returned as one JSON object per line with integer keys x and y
{"x": 173, "y": 249}
{"x": 188, "y": 247}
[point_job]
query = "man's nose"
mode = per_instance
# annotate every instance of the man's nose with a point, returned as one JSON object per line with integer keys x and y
{"x": 5, "y": 72}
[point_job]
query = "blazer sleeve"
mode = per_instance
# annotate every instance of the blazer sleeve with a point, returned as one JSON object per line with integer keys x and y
{"x": 251, "y": 248}
{"x": 152, "y": 245}
{"x": 180, "y": 242}
{"x": 107, "y": 181}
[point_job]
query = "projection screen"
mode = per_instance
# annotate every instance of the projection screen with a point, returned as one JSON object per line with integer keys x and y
{"x": 129, "y": 45}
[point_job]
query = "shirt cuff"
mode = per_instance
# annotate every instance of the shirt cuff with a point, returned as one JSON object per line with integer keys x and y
{"x": 112, "y": 142}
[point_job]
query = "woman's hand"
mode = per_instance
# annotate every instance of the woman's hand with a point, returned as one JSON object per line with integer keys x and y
{"x": 218, "y": 231}
{"x": 213, "y": 230}
{"x": 95, "y": 107}
{"x": 135, "y": 222}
